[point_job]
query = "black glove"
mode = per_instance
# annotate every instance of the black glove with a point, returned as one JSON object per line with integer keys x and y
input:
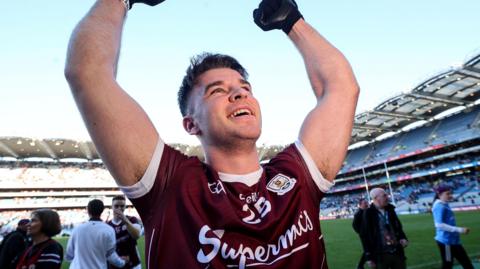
{"x": 147, "y": 2}
{"x": 276, "y": 14}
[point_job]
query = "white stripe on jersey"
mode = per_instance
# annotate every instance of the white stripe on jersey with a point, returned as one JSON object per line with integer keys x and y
{"x": 150, "y": 248}
{"x": 51, "y": 255}
{"x": 448, "y": 253}
{"x": 49, "y": 260}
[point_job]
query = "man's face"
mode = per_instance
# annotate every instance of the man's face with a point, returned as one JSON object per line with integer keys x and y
{"x": 363, "y": 204}
{"x": 118, "y": 205}
{"x": 381, "y": 200}
{"x": 223, "y": 109}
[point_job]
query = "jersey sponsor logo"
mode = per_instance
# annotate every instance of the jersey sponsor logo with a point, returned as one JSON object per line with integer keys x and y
{"x": 216, "y": 187}
{"x": 249, "y": 198}
{"x": 281, "y": 184}
{"x": 243, "y": 256}
{"x": 260, "y": 209}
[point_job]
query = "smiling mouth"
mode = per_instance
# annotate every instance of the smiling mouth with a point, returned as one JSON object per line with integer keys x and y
{"x": 240, "y": 113}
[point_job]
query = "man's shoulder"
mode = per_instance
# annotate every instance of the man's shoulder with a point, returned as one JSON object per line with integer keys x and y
{"x": 359, "y": 213}
{"x": 390, "y": 208}
{"x": 290, "y": 156}
{"x": 371, "y": 211}
{"x": 92, "y": 225}
{"x": 133, "y": 219}
{"x": 14, "y": 234}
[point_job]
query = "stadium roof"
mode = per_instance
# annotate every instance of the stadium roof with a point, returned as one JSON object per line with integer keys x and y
{"x": 459, "y": 87}
{"x": 448, "y": 90}
{"x": 22, "y": 148}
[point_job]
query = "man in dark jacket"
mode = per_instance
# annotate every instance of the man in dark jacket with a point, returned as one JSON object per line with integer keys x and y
{"x": 13, "y": 245}
{"x": 357, "y": 226}
{"x": 382, "y": 234}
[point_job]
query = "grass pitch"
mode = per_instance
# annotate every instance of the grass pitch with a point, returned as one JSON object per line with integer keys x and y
{"x": 344, "y": 249}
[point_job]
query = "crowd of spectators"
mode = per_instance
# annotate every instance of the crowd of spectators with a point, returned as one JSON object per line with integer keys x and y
{"x": 48, "y": 174}
{"x": 69, "y": 218}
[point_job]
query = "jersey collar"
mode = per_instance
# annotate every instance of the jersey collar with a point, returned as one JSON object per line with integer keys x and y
{"x": 249, "y": 179}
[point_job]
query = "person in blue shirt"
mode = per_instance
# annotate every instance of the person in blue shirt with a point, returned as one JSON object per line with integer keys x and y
{"x": 447, "y": 234}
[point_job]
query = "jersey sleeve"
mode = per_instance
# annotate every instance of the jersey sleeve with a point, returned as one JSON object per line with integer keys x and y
{"x": 295, "y": 161}
{"x": 323, "y": 184}
{"x": 439, "y": 217}
{"x": 51, "y": 257}
{"x": 438, "y": 213}
{"x": 156, "y": 179}
{"x": 71, "y": 246}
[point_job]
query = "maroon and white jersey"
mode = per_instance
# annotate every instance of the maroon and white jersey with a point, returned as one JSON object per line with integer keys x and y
{"x": 125, "y": 244}
{"x": 195, "y": 217}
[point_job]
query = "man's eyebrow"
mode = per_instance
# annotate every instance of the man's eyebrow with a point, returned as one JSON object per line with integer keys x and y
{"x": 213, "y": 84}
{"x": 220, "y": 82}
{"x": 243, "y": 81}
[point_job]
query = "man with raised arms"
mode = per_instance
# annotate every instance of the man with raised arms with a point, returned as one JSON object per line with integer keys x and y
{"x": 228, "y": 211}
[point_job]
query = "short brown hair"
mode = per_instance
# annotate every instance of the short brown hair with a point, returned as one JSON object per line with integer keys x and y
{"x": 95, "y": 208}
{"x": 50, "y": 221}
{"x": 118, "y": 197}
{"x": 200, "y": 64}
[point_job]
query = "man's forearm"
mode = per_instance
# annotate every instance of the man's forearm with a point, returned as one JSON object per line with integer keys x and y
{"x": 325, "y": 64}
{"x": 132, "y": 229}
{"x": 95, "y": 43}
{"x": 114, "y": 259}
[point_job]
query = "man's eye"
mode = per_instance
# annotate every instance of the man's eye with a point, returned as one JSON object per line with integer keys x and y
{"x": 217, "y": 90}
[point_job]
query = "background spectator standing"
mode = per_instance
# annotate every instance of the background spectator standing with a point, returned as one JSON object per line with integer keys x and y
{"x": 357, "y": 226}
{"x": 382, "y": 233}
{"x": 93, "y": 242}
{"x": 447, "y": 234}
{"x": 45, "y": 253}
{"x": 13, "y": 245}
{"x": 127, "y": 231}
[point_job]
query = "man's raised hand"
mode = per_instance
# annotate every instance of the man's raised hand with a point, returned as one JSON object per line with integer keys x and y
{"x": 276, "y": 14}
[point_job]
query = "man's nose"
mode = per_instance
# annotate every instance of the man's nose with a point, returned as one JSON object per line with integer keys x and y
{"x": 238, "y": 94}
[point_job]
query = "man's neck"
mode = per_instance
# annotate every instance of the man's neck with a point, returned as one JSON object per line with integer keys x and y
{"x": 239, "y": 161}
{"x": 379, "y": 207}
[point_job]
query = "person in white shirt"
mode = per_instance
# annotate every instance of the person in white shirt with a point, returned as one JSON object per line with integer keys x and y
{"x": 92, "y": 244}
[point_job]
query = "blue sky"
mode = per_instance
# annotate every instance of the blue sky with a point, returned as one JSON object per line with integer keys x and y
{"x": 392, "y": 46}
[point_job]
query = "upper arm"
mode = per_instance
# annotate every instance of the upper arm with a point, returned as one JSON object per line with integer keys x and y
{"x": 326, "y": 130}
{"x": 70, "y": 253}
{"x": 110, "y": 240}
{"x": 122, "y": 132}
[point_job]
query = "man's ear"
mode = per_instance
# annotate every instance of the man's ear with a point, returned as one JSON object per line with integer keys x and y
{"x": 190, "y": 126}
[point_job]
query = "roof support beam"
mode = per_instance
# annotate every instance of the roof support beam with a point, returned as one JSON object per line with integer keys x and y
{"x": 472, "y": 69}
{"x": 8, "y": 149}
{"x": 397, "y": 115}
{"x": 431, "y": 97}
{"x": 47, "y": 148}
{"x": 85, "y": 150}
{"x": 374, "y": 128}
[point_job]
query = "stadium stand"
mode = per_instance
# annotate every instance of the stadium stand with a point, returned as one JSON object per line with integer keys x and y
{"x": 422, "y": 144}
